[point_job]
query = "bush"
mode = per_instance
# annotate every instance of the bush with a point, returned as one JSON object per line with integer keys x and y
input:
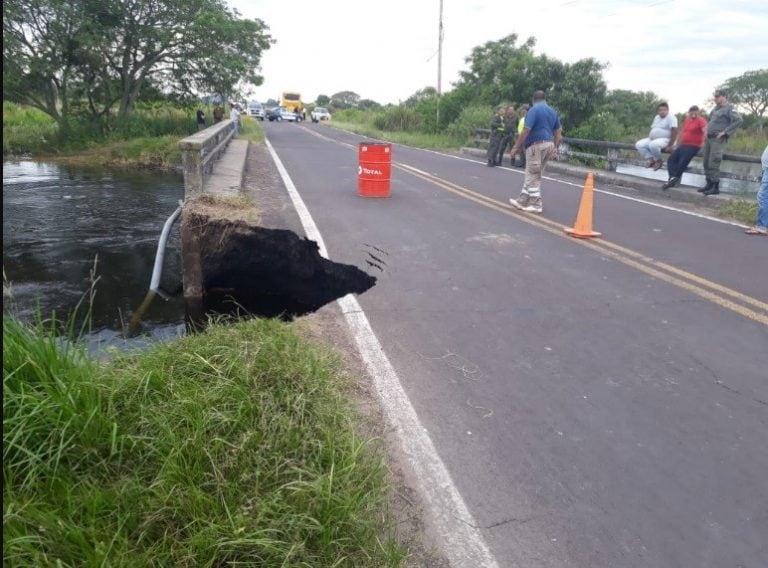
{"x": 398, "y": 119}
{"x": 26, "y": 130}
{"x": 470, "y": 118}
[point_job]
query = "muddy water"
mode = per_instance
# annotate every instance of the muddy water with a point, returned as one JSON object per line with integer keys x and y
{"x": 59, "y": 223}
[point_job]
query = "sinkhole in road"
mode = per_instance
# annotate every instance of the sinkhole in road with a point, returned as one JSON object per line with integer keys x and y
{"x": 249, "y": 270}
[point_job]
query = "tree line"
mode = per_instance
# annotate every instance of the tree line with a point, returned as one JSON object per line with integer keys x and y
{"x": 95, "y": 59}
{"x": 508, "y": 72}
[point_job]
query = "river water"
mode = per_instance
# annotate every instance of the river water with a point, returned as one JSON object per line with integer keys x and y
{"x": 61, "y": 223}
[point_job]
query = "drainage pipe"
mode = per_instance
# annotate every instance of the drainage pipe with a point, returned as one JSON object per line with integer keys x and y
{"x": 157, "y": 271}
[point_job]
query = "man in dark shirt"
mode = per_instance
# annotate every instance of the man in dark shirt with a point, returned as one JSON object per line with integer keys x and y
{"x": 541, "y": 139}
{"x": 200, "y": 119}
{"x": 497, "y": 134}
{"x": 723, "y": 122}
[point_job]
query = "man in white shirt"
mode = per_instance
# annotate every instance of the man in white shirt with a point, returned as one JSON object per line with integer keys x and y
{"x": 234, "y": 115}
{"x": 661, "y": 138}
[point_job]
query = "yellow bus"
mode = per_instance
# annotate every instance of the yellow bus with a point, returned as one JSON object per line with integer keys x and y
{"x": 292, "y": 101}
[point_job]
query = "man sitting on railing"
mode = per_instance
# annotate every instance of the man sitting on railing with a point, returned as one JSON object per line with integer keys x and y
{"x": 662, "y": 137}
{"x": 691, "y": 141}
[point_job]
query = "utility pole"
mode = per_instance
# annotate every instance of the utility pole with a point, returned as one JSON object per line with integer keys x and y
{"x": 439, "y": 66}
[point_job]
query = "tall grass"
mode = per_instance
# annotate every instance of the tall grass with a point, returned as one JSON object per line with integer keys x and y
{"x": 234, "y": 446}
{"x": 29, "y": 131}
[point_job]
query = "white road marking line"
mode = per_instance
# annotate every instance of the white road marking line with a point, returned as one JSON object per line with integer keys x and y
{"x": 462, "y": 542}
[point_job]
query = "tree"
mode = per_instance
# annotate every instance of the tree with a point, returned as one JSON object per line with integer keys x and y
{"x": 501, "y": 72}
{"x": 633, "y": 111}
{"x": 368, "y": 104}
{"x": 323, "y": 100}
{"x": 345, "y": 99}
{"x": 65, "y": 56}
{"x": 749, "y": 90}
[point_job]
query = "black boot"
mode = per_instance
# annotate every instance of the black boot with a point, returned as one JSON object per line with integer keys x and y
{"x": 714, "y": 190}
{"x": 706, "y": 188}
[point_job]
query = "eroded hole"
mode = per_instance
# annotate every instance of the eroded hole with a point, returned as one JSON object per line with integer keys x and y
{"x": 251, "y": 270}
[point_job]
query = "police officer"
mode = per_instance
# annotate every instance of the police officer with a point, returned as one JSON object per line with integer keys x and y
{"x": 497, "y": 134}
{"x": 510, "y": 133}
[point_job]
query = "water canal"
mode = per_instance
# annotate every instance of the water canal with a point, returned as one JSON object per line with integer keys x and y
{"x": 62, "y": 223}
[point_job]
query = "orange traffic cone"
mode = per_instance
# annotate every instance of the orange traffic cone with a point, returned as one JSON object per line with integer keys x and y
{"x": 582, "y": 229}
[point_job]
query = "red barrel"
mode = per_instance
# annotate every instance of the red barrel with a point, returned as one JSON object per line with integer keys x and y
{"x": 374, "y": 169}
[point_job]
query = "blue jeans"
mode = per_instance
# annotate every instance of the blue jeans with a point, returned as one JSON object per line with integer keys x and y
{"x": 762, "y": 202}
{"x": 679, "y": 160}
{"x": 651, "y": 149}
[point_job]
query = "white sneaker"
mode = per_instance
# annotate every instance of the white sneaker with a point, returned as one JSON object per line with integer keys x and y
{"x": 521, "y": 202}
{"x": 534, "y": 205}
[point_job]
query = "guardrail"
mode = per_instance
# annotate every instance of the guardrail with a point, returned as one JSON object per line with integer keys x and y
{"x": 200, "y": 151}
{"x": 623, "y": 153}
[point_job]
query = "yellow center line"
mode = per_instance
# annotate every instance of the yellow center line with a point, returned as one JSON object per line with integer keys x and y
{"x": 615, "y": 251}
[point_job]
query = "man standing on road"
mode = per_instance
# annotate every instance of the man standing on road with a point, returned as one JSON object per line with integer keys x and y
{"x": 761, "y": 223}
{"x": 541, "y": 139}
{"x": 691, "y": 140}
{"x": 510, "y": 131}
{"x": 234, "y": 115}
{"x": 497, "y": 133}
{"x": 723, "y": 122}
{"x": 520, "y": 126}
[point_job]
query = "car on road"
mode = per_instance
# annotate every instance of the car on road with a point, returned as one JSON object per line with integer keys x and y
{"x": 282, "y": 113}
{"x": 320, "y": 113}
{"x": 256, "y": 110}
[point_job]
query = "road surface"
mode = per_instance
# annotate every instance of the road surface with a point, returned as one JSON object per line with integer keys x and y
{"x": 598, "y": 403}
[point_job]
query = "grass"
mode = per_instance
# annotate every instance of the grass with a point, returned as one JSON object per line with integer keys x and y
{"x": 160, "y": 153}
{"x": 233, "y": 446}
{"x": 739, "y": 210}
{"x": 250, "y": 129}
{"x": 416, "y": 139}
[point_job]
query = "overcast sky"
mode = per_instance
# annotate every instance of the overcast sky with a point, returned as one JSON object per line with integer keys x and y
{"x": 386, "y": 50}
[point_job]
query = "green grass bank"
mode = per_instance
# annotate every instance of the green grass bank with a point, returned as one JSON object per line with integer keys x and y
{"x": 235, "y": 446}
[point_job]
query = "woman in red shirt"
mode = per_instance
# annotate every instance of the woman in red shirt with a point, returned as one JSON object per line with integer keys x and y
{"x": 691, "y": 141}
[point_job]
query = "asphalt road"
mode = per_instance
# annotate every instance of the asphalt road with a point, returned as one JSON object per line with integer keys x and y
{"x": 599, "y": 403}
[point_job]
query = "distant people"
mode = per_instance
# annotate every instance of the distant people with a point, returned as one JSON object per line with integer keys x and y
{"x": 200, "y": 119}
{"x": 497, "y": 133}
{"x": 234, "y": 116}
{"x": 761, "y": 224}
{"x": 218, "y": 114}
{"x": 661, "y": 137}
{"x": 723, "y": 122}
{"x": 691, "y": 141}
{"x": 520, "y": 126}
{"x": 541, "y": 138}
{"x": 509, "y": 135}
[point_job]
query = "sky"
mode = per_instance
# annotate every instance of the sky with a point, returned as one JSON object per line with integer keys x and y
{"x": 386, "y": 50}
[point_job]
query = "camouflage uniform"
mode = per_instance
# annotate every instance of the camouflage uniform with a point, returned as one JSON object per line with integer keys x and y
{"x": 497, "y": 133}
{"x": 510, "y": 133}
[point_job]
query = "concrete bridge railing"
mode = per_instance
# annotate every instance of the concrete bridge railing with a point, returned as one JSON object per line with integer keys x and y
{"x": 200, "y": 151}
{"x": 615, "y": 153}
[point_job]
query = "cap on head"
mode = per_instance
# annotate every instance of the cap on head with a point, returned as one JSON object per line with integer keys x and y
{"x": 721, "y": 93}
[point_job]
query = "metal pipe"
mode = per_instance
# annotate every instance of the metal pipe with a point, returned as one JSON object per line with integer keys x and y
{"x": 157, "y": 271}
